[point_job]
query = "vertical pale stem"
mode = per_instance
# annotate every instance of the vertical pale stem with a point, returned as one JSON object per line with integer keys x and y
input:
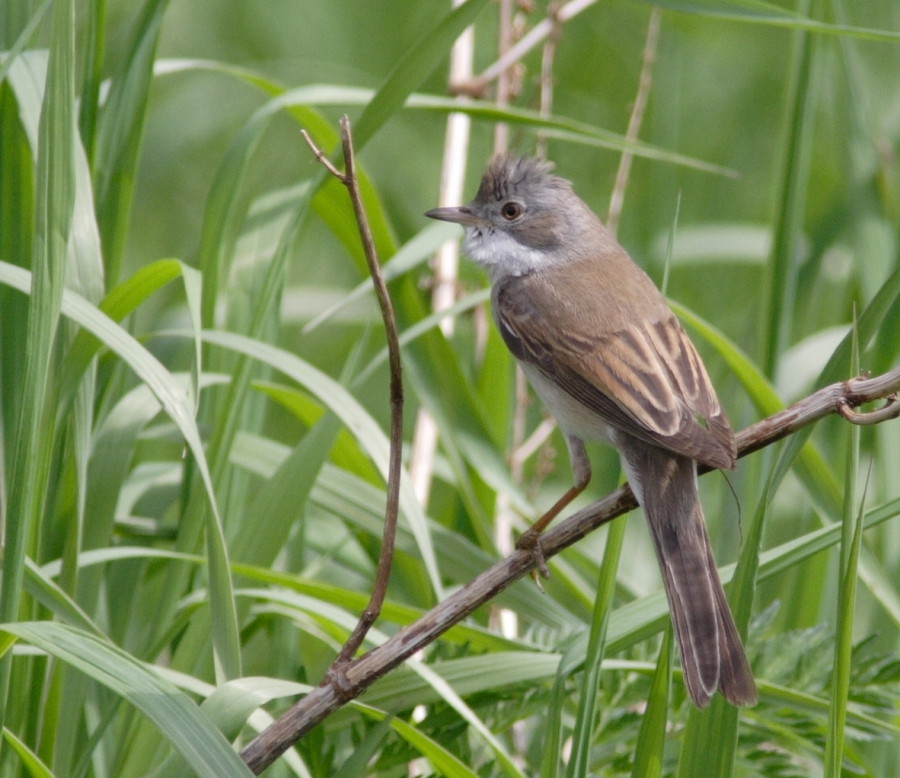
{"x": 446, "y": 262}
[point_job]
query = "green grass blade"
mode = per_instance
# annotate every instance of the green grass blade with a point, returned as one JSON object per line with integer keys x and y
{"x": 851, "y": 533}
{"x": 411, "y": 255}
{"x": 791, "y": 205}
{"x": 57, "y": 601}
{"x": 443, "y": 760}
{"x": 769, "y": 14}
{"x": 561, "y": 127}
{"x": 412, "y": 69}
{"x": 342, "y": 403}
{"x": 120, "y": 132}
{"x": 583, "y": 734}
{"x": 178, "y": 405}
{"x": 96, "y": 20}
{"x": 651, "y": 741}
{"x": 172, "y": 712}
{"x": 33, "y": 438}
{"x": 30, "y": 760}
{"x": 123, "y": 300}
{"x": 449, "y": 695}
{"x": 223, "y": 217}
{"x": 14, "y": 48}
{"x": 553, "y": 742}
{"x": 843, "y": 654}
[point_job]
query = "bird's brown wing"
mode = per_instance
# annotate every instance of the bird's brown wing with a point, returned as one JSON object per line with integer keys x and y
{"x": 645, "y": 378}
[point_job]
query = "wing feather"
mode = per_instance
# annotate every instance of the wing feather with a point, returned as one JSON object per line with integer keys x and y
{"x": 643, "y": 377}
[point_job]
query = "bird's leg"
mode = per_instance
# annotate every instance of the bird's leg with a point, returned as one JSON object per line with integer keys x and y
{"x": 581, "y": 469}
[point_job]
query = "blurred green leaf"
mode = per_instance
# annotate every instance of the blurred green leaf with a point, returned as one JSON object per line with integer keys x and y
{"x": 32, "y": 438}
{"x": 188, "y": 731}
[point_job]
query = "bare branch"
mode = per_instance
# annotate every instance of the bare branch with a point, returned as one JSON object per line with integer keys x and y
{"x": 320, "y": 155}
{"x": 337, "y": 672}
{"x": 837, "y": 398}
{"x": 362, "y": 672}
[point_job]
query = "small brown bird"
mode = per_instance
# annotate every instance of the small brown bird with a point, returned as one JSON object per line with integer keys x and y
{"x": 605, "y": 353}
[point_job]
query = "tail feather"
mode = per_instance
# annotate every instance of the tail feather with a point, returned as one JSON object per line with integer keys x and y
{"x": 712, "y": 655}
{"x": 735, "y": 676}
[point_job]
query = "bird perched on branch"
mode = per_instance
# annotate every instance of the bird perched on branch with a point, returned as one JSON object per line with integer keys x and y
{"x": 605, "y": 353}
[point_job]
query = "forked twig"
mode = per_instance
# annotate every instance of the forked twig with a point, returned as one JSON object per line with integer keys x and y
{"x": 362, "y": 672}
{"x": 336, "y": 673}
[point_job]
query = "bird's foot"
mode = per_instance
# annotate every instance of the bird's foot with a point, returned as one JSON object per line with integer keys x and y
{"x": 531, "y": 541}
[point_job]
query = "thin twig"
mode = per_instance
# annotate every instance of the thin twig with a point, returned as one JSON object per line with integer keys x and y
{"x": 370, "y": 614}
{"x": 362, "y": 672}
{"x": 890, "y": 410}
{"x": 634, "y": 123}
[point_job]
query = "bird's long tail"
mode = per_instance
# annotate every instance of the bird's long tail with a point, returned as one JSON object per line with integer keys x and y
{"x": 712, "y": 655}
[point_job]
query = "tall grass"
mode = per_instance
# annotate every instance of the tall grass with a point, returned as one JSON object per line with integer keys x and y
{"x": 193, "y": 387}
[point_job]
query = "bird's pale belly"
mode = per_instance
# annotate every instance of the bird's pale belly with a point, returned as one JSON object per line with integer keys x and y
{"x": 574, "y": 418}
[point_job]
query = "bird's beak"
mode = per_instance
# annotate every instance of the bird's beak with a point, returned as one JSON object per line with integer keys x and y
{"x": 461, "y": 215}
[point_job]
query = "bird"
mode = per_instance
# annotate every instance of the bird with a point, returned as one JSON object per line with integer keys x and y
{"x": 607, "y": 356}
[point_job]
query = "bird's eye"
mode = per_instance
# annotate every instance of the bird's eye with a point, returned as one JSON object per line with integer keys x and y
{"x": 511, "y": 210}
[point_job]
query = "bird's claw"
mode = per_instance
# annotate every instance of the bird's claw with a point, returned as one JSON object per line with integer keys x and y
{"x": 531, "y": 541}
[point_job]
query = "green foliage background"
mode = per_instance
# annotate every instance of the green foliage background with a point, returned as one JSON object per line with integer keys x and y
{"x": 192, "y": 482}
